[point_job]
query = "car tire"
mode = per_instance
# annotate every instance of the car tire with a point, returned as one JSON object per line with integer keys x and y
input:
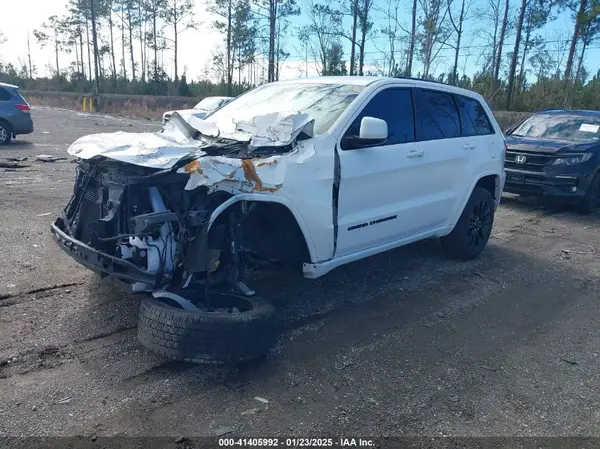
{"x": 591, "y": 201}
{"x": 214, "y": 337}
{"x": 473, "y": 229}
{"x": 5, "y": 133}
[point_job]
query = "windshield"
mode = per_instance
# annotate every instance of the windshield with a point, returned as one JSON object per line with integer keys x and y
{"x": 209, "y": 103}
{"x": 559, "y": 127}
{"x": 323, "y": 102}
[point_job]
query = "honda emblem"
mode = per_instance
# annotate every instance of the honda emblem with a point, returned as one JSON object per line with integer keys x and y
{"x": 520, "y": 159}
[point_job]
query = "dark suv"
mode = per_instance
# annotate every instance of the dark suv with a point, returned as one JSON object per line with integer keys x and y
{"x": 15, "y": 114}
{"x": 556, "y": 153}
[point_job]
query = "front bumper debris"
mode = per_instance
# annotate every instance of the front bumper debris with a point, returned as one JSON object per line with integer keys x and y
{"x": 105, "y": 264}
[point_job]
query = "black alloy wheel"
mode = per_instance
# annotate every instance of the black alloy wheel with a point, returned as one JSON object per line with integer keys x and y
{"x": 474, "y": 227}
{"x": 480, "y": 224}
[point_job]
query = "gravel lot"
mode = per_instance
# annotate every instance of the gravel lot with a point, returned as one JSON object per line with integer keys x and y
{"x": 405, "y": 343}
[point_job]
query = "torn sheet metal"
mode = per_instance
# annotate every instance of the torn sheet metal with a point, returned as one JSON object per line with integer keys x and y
{"x": 178, "y": 124}
{"x": 274, "y": 129}
{"x": 160, "y": 150}
{"x": 153, "y": 150}
{"x": 245, "y": 175}
{"x": 163, "y": 150}
{"x": 278, "y": 129}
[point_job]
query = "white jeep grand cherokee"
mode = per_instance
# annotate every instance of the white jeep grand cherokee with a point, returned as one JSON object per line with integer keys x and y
{"x": 311, "y": 173}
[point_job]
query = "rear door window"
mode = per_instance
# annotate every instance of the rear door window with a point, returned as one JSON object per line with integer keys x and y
{"x": 5, "y": 95}
{"x": 437, "y": 115}
{"x": 474, "y": 120}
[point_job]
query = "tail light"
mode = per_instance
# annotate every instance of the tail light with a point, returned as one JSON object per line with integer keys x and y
{"x": 23, "y": 107}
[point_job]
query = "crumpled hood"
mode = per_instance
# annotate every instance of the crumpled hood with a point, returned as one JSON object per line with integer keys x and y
{"x": 153, "y": 150}
{"x": 162, "y": 150}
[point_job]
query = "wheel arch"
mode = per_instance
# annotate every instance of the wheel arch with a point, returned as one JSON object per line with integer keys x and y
{"x": 275, "y": 200}
{"x": 7, "y": 124}
{"x": 491, "y": 181}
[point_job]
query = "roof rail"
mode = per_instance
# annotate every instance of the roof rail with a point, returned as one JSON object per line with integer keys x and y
{"x": 412, "y": 78}
{"x": 8, "y": 85}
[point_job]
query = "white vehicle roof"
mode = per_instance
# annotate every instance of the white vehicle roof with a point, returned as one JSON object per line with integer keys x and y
{"x": 382, "y": 80}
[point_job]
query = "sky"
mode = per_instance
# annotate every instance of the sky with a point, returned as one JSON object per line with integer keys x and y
{"x": 196, "y": 46}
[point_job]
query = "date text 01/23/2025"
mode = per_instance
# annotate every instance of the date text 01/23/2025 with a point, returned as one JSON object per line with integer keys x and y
{"x": 296, "y": 442}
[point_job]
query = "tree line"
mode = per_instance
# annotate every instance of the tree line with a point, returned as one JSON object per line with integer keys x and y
{"x": 125, "y": 46}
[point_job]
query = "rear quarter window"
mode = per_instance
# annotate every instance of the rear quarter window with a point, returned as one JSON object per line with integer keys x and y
{"x": 5, "y": 94}
{"x": 474, "y": 120}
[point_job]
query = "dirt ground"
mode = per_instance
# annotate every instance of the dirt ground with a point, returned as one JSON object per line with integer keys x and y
{"x": 405, "y": 343}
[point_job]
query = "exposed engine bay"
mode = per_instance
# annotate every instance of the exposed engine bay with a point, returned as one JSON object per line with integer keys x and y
{"x": 154, "y": 224}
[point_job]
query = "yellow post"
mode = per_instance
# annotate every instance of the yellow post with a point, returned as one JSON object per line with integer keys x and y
{"x": 91, "y": 104}
{"x": 84, "y": 104}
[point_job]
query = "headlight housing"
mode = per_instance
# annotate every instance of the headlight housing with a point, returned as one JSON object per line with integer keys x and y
{"x": 573, "y": 160}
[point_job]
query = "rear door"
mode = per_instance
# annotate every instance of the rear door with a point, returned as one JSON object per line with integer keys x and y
{"x": 485, "y": 147}
{"x": 478, "y": 130}
{"x": 448, "y": 152}
{"x": 6, "y": 104}
{"x": 13, "y": 107}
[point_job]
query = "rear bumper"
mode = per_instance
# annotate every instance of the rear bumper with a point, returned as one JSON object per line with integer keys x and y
{"x": 124, "y": 273}
{"x": 22, "y": 125}
{"x": 570, "y": 188}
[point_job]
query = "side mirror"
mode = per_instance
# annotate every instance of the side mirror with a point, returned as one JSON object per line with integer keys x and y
{"x": 373, "y": 130}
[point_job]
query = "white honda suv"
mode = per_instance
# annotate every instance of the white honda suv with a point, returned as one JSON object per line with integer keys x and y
{"x": 311, "y": 173}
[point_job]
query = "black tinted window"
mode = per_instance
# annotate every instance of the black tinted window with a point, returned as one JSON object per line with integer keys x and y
{"x": 5, "y": 95}
{"x": 395, "y": 106}
{"x": 474, "y": 120}
{"x": 437, "y": 116}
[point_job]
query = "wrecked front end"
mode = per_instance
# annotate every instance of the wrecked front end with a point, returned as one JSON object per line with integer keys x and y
{"x": 144, "y": 214}
{"x": 142, "y": 230}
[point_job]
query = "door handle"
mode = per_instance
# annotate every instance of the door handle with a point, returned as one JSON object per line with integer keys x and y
{"x": 469, "y": 146}
{"x": 415, "y": 153}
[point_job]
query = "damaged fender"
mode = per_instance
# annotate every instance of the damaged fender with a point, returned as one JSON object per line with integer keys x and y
{"x": 267, "y": 199}
{"x": 278, "y": 130}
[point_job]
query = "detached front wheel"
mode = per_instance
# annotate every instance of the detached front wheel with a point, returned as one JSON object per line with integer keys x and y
{"x": 233, "y": 329}
{"x": 472, "y": 232}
